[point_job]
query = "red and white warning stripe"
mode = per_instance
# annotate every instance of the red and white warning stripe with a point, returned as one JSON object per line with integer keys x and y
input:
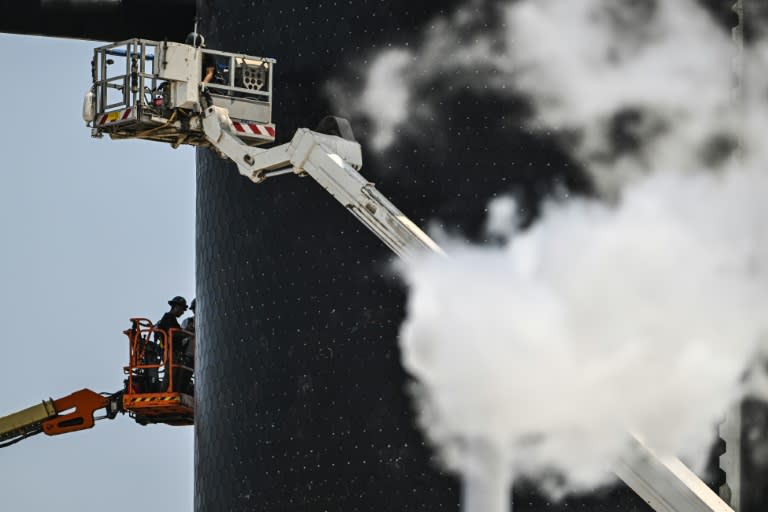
{"x": 249, "y": 128}
{"x": 117, "y": 115}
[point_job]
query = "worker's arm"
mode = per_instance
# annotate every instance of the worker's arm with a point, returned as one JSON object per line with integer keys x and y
{"x": 53, "y": 417}
{"x": 209, "y": 73}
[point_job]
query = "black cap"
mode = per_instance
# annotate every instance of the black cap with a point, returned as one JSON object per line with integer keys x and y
{"x": 181, "y": 301}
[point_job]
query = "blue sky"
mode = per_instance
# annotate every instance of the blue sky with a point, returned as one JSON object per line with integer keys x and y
{"x": 93, "y": 232}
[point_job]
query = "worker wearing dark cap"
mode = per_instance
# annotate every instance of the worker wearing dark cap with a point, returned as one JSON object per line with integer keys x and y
{"x": 170, "y": 319}
{"x": 167, "y": 322}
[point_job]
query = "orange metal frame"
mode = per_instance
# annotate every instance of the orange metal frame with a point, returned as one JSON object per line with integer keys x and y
{"x": 151, "y": 361}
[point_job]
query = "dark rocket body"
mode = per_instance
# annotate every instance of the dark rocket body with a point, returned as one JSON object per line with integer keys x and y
{"x": 302, "y": 400}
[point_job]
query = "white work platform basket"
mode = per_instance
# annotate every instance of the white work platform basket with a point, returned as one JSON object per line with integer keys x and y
{"x": 155, "y": 90}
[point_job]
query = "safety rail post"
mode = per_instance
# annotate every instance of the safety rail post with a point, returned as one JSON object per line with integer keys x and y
{"x": 141, "y": 337}
{"x": 125, "y": 78}
{"x": 175, "y": 361}
{"x": 144, "y": 45}
{"x": 231, "y": 71}
{"x": 101, "y": 87}
{"x": 135, "y": 352}
{"x": 269, "y": 86}
{"x": 168, "y": 358}
{"x": 161, "y": 362}
{"x": 134, "y": 78}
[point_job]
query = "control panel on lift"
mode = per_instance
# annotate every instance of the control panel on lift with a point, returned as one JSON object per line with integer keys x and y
{"x": 153, "y": 89}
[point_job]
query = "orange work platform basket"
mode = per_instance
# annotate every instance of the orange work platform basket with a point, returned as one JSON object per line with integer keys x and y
{"x": 160, "y": 383}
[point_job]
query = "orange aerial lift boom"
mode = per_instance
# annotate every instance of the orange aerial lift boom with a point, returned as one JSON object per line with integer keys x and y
{"x": 158, "y": 388}
{"x": 53, "y": 417}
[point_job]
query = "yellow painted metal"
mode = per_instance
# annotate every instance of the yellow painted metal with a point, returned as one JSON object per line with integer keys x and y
{"x": 20, "y": 422}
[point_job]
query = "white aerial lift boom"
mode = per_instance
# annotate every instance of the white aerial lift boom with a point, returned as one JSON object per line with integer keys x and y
{"x": 161, "y": 97}
{"x": 331, "y": 161}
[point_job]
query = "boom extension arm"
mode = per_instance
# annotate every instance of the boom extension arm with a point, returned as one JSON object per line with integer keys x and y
{"x": 331, "y": 161}
{"x": 53, "y": 417}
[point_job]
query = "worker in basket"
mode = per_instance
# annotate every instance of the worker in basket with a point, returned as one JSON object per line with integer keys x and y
{"x": 168, "y": 328}
{"x": 150, "y": 356}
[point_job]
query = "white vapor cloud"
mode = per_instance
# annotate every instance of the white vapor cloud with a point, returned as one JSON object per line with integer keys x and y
{"x": 606, "y": 85}
{"x": 638, "y": 311}
{"x": 597, "y": 321}
{"x": 386, "y": 98}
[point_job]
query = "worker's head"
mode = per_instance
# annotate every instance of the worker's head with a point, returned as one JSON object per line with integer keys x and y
{"x": 195, "y": 39}
{"x": 192, "y": 305}
{"x": 178, "y": 305}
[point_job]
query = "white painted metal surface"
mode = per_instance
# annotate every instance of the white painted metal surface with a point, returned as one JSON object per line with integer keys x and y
{"x": 332, "y": 162}
{"x": 665, "y": 483}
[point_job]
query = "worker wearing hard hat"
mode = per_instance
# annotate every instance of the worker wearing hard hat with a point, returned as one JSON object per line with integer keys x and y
{"x": 170, "y": 319}
{"x": 168, "y": 328}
